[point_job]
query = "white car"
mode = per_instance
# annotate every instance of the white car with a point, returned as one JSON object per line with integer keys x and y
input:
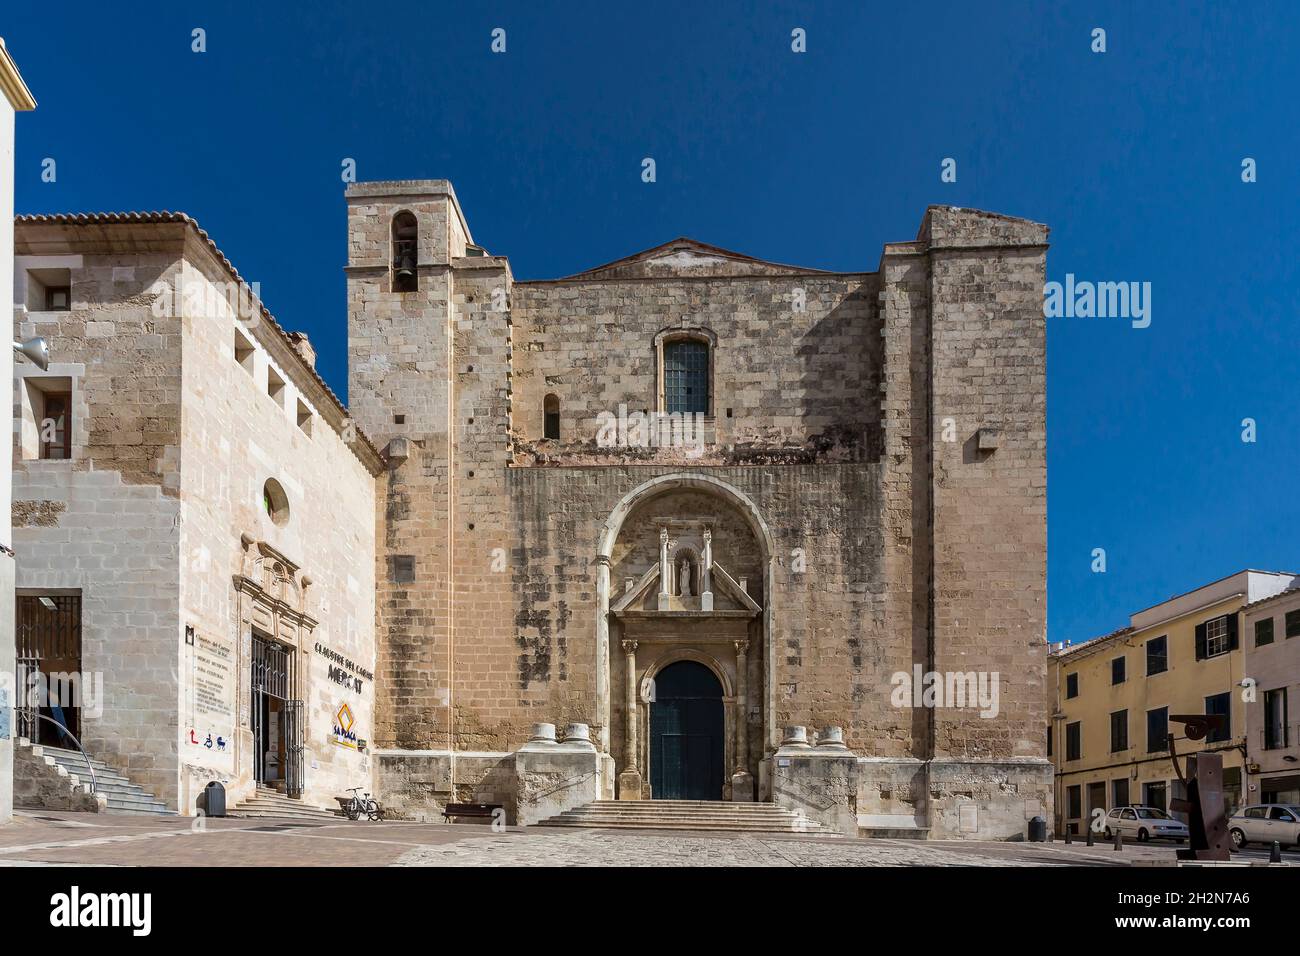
{"x": 1264, "y": 823}
{"x": 1145, "y": 823}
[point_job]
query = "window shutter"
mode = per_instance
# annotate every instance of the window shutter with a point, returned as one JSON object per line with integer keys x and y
{"x": 1232, "y": 632}
{"x": 1200, "y": 642}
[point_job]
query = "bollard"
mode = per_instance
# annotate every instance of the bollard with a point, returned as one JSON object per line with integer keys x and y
{"x": 1068, "y": 833}
{"x": 1119, "y": 841}
{"x": 1275, "y": 854}
{"x": 1089, "y": 834}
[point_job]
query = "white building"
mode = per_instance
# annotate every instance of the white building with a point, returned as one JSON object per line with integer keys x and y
{"x": 16, "y": 98}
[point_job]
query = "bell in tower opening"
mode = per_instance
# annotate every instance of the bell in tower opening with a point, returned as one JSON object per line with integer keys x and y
{"x": 406, "y": 247}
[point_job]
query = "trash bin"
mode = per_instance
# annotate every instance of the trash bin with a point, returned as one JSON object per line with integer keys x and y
{"x": 214, "y": 800}
{"x": 1038, "y": 830}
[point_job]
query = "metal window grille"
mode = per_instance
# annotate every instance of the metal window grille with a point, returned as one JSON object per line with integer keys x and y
{"x": 686, "y": 377}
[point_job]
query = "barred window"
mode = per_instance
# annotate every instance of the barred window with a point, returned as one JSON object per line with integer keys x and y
{"x": 686, "y": 377}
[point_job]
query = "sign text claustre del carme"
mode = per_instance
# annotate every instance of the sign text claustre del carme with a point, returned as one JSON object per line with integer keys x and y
{"x": 342, "y": 671}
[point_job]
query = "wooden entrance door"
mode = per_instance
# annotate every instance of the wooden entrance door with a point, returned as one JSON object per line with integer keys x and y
{"x": 686, "y": 729}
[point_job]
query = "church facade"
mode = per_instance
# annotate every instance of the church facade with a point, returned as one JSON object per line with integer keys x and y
{"x": 686, "y": 526}
{"x": 732, "y": 526}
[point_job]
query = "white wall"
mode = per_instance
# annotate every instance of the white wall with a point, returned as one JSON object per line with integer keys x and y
{"x": 6, "y": 467}
{"x": 234, "y": 438}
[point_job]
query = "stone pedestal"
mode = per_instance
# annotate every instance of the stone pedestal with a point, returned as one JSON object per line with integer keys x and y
{"x": 987, "y": 799}
{"x": 742, "y": 787}
{"x": 629, "y": 785}
{"x": 821, "y": 783}
{"x": 552, "y": 777}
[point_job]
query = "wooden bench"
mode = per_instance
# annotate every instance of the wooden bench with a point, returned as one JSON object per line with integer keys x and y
{"x": 482, "y": 810}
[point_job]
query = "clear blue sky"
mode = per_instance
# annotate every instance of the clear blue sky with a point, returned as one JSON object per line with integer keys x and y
{"x": 1133, "y": 157}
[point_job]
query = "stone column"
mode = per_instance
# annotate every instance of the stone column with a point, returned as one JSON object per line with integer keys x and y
{"x": 665, "y": 569}
{"x": 629, "y": 781}
{"x": 602, "y": 652}
{"x": 742, "y": 781}
{"x": 706, "y": 573}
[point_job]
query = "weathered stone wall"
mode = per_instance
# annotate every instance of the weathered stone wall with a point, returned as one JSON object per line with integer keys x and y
{"x": 400, "y": 355}
{"x": 896, "y": 540}
{"x": 791, "y": 383}
{"x": 106, "y": 522}
{"x": 7, "y": 571}
{"x": 172, "y": 441}
{"x": 990, "y": 504}
{"x": 40, "y": 783}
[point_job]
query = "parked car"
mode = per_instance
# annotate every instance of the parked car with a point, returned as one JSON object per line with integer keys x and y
{"x": 1145, "y": 823}
{"x": 1264, "y": 823}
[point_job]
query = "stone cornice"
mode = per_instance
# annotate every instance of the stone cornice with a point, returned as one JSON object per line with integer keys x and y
{"x": 11, "y": 82}
{"x": 247, "y": 585}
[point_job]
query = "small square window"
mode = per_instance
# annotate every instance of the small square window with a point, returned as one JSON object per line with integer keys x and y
{"x": 1263, "y": 631}
{"x": 401, "y": 568}
{"x": 1292, "y": 623}
{"x": 58, "y": 298}
{"x": 304, "y": 417}
{"x": 49, "y": 290}
{"x": 399, "y": 419}
{"x": 244, "y": 352}
{"x": 275, "y": 386}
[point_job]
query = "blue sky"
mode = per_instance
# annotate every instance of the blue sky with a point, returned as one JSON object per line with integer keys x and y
{"x": 1133, "y": 157}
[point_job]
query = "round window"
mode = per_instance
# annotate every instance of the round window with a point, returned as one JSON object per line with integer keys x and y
{"x": 275, "y": 502}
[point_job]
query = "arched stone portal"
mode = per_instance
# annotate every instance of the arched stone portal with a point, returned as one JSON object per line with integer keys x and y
{"x": 710, "y": 531}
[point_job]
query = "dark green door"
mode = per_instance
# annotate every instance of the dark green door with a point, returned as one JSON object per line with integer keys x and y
{"x": 686, "y": 728}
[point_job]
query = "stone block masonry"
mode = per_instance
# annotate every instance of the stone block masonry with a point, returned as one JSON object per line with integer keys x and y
{"x": 215, "y": 492}
{"x": 723, "y": 616}
{"x": 868, "y": 537}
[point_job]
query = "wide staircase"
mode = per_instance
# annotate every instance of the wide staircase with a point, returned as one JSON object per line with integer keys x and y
{"x": 701, "y": 815}
{"x": 123, "y": 795}
{"x": 269, "y": 803}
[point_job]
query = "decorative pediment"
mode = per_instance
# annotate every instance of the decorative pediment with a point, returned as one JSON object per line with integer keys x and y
{"x": 644, "y": 597}
{"x": 724, "y": 583}
{"x": 274, "y": 580}
{"x": 688, "y": 257}
{"x": 639, "y": 592}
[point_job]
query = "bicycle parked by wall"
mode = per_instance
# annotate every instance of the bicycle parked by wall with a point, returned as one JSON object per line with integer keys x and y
{"x": 362, "y": 806}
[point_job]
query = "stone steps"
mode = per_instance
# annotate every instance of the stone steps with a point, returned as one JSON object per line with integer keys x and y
{"x": 271, "y": 804}
{"x": 694, "y": 815}
{"x": 123, "y": 796}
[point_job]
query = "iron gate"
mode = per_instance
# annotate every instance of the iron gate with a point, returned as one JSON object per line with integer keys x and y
{"x": 275, "y": 676}
{"x": 293, "y": 736}
{"x": 47, "y": 633}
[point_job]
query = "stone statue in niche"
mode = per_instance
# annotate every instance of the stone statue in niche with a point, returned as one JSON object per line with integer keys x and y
{"x": 684, "y": 577}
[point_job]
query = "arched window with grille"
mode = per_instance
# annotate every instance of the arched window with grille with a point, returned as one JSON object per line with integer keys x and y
{"x": 551, "y": 417}
{"x": 686, "y": 376}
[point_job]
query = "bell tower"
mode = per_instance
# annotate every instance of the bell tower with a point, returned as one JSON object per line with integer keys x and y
{"x": 429, "y": 383}
{"x": 402, "y": 238}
